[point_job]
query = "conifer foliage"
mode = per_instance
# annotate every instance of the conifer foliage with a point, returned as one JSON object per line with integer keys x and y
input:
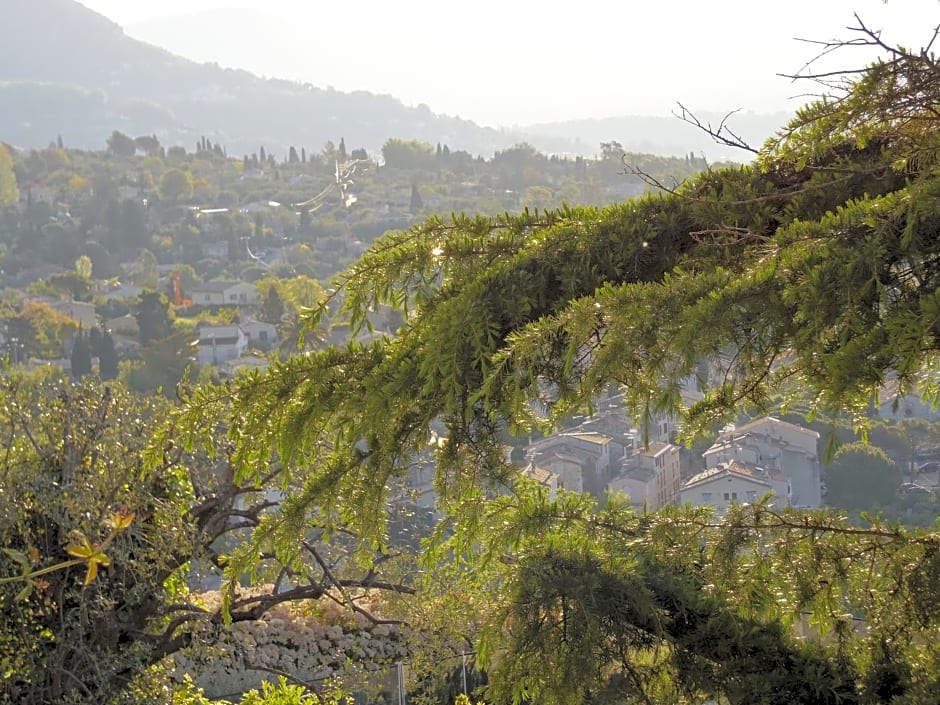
{"x": 814, "y": 268}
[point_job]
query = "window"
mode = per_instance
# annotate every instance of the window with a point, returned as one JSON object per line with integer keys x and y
{"x": 263, "y": 336}
{"x": 727, "y": 496}
{"x": 706, "y": 496}
{"x": 752, "y": 495}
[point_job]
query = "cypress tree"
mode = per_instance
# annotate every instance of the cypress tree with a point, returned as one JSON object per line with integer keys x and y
{"x": 81, "y": 356}
{"x": 107, "y": 357}
{"x": 416, "y": 201}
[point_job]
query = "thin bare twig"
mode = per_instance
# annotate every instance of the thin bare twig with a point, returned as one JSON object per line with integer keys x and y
{"x": 722, "y": 134}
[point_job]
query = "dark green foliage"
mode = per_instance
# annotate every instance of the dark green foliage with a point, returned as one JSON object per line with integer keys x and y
{"x": 81, "y": 356}
{"x": 176, "y": 185}
{"x": 860, "y": 477}
{"x": 121, "y": 145}
{"x": 402, "y": 154}
{"x": 72, "y": 285}
{"x": 163, "y": 364}
{"x": 591, "y": 621}
{"x": 107, "y": 357}
{"x": 272, "y": 306}
{"x": 148, "y": 144}
{"x": 153, "y": 317}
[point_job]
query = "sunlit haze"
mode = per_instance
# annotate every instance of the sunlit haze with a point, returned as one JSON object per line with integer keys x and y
{"x": 518, "y": 63}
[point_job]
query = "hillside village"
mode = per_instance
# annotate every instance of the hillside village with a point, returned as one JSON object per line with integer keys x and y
{"x": 161, "y": 260}
{"x": 166, "y": 258}
{"x": 744, "y": 464}
{"x": 606, "y": 454}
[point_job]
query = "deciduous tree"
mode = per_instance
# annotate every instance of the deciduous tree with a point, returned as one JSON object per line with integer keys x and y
{"x": 9, "y": 193}
{"x": 861, "y": 477}
{"x": 176, "y": 185}
{"x": 105, "y": 519}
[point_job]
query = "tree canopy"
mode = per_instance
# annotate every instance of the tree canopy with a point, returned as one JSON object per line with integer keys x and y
{"x": 176, "y": 185}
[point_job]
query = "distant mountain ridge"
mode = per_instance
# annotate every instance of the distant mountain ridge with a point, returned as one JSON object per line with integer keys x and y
{"x": 66, "y": 70}
{"x": 667, "y": 136}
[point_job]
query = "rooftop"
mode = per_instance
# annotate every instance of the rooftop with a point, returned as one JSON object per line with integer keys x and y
{"x": 730, "y": 468}
{"x": 214, "y": 287}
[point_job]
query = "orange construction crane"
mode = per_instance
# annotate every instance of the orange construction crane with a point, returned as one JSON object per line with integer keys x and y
{"x": 178, "y": 299}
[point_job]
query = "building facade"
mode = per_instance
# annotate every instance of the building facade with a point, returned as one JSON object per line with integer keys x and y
{"x": 778, "y": 446}
{"x": 734, "y": 482}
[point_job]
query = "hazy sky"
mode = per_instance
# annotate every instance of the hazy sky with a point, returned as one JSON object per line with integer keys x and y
{"x": 505, "y": 62}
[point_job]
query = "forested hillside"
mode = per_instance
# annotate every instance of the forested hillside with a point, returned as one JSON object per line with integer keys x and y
{"x": 324, "y": 206}
{"x": 68, "y": 71}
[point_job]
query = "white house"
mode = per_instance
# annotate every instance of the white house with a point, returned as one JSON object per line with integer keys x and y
{"x": 224, "y": 293}
{"x": 778, "y": 446}
{"x": 651, "y": 477}
{"x": 734, "y": 482}
{"x": 259, "y": 332}
{"x": 218, "y": 344}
